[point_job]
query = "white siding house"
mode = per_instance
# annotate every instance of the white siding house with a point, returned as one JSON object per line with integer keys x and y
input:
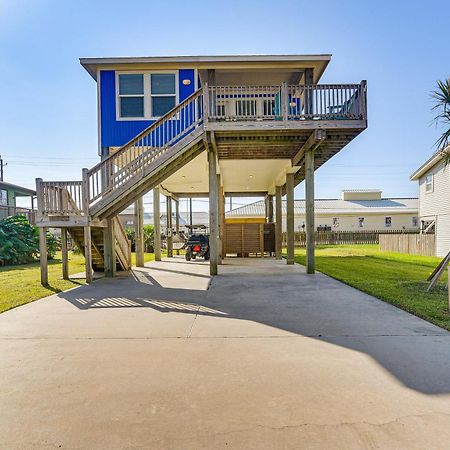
{"x": 434, "y": 199}
{"x": 356, "y": 210}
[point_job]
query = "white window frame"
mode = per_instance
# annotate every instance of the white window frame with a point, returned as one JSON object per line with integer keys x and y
{"x": 385, "y": 222}
{"x": 415, "y": 221}
{"x": 1, "y": 197}
{"x": 147, "y": 93}
{"x": 361, "y": 221}
{"x": 429, "y": 185}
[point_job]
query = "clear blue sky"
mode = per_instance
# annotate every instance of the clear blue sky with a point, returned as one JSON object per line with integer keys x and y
{"x": 48, "y": 124}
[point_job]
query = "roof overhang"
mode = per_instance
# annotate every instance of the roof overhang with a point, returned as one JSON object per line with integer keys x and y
{"x": 431, "y": 162}
{"x": 228, "y": 62}
{"x": 18, "y": 190}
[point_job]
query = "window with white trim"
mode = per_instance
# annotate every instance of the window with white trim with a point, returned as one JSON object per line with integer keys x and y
{"x": 429, "y": 183}
{"x": 131, "y": 95}
{"x": 146, "y": 95}
{"x": 415, "y": 221}
{"x": 3, "y": 197}
{"x": 388, "y": 222}
{"x": 360, "y": 222}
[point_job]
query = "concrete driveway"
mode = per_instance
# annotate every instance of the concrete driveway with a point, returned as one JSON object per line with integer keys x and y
{"x": 265, "y": 357}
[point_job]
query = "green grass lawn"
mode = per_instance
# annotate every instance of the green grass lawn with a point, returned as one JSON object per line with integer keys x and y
{"x": 396, "y": 278}
{"x": 21, "y": 284}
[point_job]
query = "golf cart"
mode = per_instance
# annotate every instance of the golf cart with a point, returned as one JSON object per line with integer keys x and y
{"x": 197, "y": 244}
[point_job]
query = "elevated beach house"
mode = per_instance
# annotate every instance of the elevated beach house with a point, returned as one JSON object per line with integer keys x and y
{"x": 433, "y": 177}
{"x": 201, "y": 126}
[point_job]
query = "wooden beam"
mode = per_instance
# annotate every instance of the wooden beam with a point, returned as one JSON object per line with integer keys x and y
{"x": 219, "y": 219}
{"x": 177, "y": 221}
{"x": 169, "y": 230}
{"x": 309, "y": 213}
{"x": 213, "y": 210}
{"x": 88, "y": 253}
{"x": 64, "y": 254}
{"x": 139, "y": 231}
{"x": 314, "y": 140}
{"x": 278, "y": 222}
{"x": 109, "y": 249}
{"x": 290, "y": 218}
{"x": 43, "y": 259}
{"x": 157, "y": 223}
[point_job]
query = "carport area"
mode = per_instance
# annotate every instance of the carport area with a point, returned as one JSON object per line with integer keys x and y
{"x": 262, "y": 356}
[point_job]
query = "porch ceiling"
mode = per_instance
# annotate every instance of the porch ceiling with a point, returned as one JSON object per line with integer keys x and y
{"x": 239, "y": 176}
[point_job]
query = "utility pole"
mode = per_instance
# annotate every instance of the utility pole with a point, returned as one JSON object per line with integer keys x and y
{"x": 2, "y": 165}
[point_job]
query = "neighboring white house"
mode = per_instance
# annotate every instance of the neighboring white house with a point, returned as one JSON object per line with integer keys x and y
{"x": 356, "y": 210}
{"x": 434, "y": 199}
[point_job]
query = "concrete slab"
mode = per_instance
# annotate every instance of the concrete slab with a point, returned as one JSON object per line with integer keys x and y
{"x": 265, "y": 357}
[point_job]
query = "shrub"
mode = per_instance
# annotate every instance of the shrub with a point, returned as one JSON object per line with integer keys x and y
{"x": 148, "y": 238}
{"x": 19, "y": 241}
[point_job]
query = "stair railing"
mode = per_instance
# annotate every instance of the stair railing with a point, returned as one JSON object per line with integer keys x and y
{"x": 122, "y": 241}
{"x": 134, "y": 157}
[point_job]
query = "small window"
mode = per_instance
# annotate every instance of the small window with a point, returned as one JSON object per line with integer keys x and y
{"x": 268, "y": 107}
{"x": 163, "y": 93}
{"x": 360, "y": 222}
{"x": 335, "y": 222}
{"x": 3, "y": 197}
{"x": 388, "y": 222}
{"x": 415, "y": 221}
{"x": 131, "y": 95}
{"x": 429, "y": 183}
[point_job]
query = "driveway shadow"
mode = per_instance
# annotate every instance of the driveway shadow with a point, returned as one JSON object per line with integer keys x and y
{"x": 414, "y": 351}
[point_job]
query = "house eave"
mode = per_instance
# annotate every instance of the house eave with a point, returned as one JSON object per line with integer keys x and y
{"x": 320, "y": 61}
{"x": 427, "y": 165}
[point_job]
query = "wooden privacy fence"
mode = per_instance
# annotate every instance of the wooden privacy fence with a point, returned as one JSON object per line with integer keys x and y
{"x": 343, "y": 237}
{"x": 414, "y": 244}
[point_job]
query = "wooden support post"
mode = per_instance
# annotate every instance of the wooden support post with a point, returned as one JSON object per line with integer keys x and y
{"x": 278, "y": 222}
{"x": 219, "y": 220}
{"x": 139, "y": 231}
{"x": 222, "y": 224}
{"x": 448, "y": 285}
{"x": 309, "y": 210}
{"x": 213, "y": 211}
{"x": 43, "y": 255}
{"x": 88, "y": 253}
{"x": 270, "y": 208}
{"x": 109, "y": 248}
{"x": 157, "y": 223}
{"x": 64, "y": 254}
{"x": 169, "y": 227}
{"x": 177, "y": 223}
{"x": 290, "y": 218}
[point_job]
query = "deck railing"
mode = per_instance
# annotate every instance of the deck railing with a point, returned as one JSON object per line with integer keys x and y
{"x": 287, "y": 102}
{"x": 133, "y": 158}
{"x": 28, "y": 213}
{"x": 60, "y": 197}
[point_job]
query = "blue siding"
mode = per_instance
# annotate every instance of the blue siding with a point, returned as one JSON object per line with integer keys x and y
{"x": 118, "y": 132}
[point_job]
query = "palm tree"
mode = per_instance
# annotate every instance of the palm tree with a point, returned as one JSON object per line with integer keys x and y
{"x": 441, "y": 97}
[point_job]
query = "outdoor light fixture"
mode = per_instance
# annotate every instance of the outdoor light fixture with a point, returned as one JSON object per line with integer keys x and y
{"x": 293, "y": 104}
{"x": 183, "y": 176}
{"x": 186, "y": 82}
{"x": 250, "y": 176}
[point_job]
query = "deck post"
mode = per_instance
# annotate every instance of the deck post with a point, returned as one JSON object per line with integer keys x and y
{"x": 157, "y": 224}
{"x": 169, "y": 236}
{"x": 64, "y": 254}
{"x": 213, "y": 211}
{"x": 139, "y": 231}
{"x": 177, "y": 222}
{"x": 109, "y": 248}
{"x": 309, "y": 210}
{"x": 290, "y": 218}
{"x": 278, "y": 222}
{"x": 219, "y": 220}
{"x": 88, "y": 253}
{"x": 43, "y": 255}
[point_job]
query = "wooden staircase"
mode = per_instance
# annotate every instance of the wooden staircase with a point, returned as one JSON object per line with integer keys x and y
{"x": 121, "y": 179}
{"x": 122, "y": 246}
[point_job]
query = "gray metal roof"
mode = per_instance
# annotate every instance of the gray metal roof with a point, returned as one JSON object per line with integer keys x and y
{"x": 20, "y": 191}
{"x": 336, "y": 206}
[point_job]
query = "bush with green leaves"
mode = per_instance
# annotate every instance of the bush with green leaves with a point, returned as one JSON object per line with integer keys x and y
{"x": 149, "y": 238}
{"x": 19, "y": 241}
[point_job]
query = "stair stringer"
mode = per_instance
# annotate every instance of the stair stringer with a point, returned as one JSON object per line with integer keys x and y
{"x": 167, "y": 164}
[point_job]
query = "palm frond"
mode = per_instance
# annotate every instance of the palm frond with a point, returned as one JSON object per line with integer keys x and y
{"x": 441, "y": 97}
